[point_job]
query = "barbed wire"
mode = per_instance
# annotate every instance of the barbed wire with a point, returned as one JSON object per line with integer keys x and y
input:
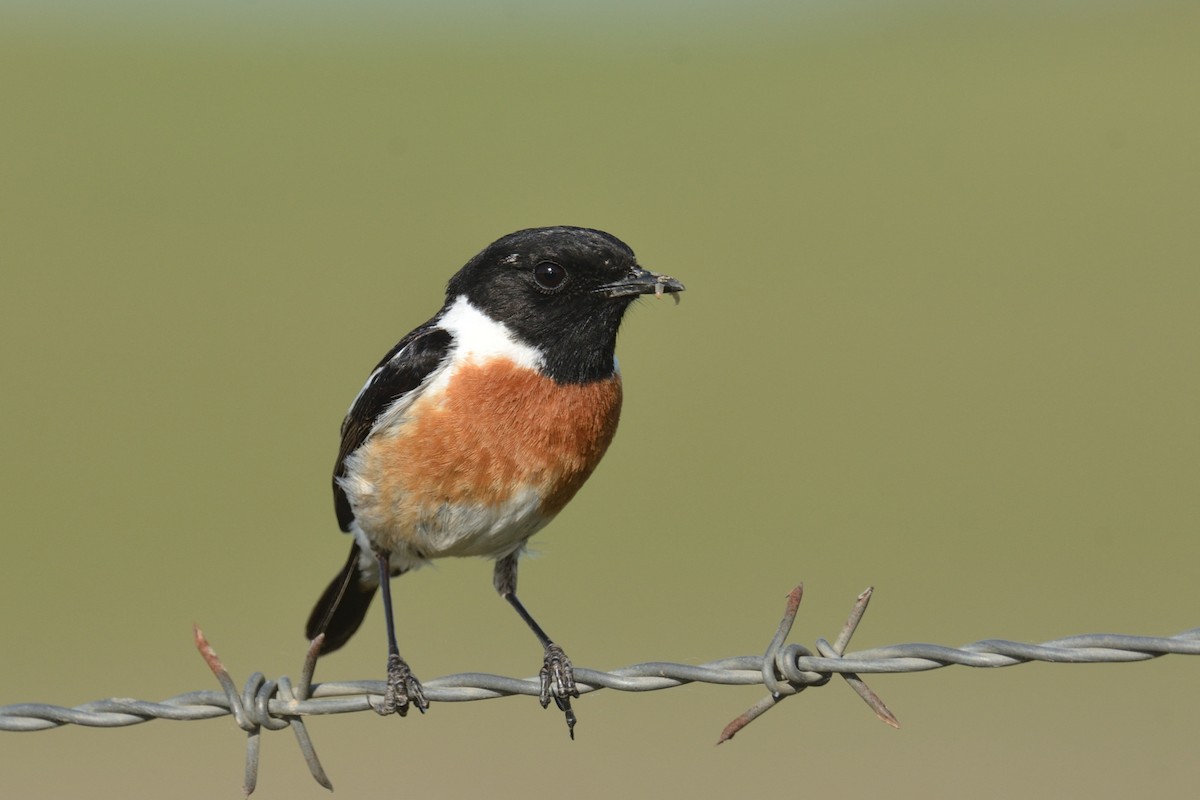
{"x": 785, "y": 670}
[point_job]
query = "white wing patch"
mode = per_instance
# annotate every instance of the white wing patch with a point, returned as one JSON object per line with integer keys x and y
{"x": 371, "y": 378}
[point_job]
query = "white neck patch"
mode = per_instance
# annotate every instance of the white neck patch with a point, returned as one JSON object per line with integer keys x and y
{"x": 478, "y": 337}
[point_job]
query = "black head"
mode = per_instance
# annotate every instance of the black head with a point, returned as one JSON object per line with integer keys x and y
{"x": 562, "y": 290}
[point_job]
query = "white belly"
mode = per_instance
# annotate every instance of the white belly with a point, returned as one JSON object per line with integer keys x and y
{"x": 465, "y": 529}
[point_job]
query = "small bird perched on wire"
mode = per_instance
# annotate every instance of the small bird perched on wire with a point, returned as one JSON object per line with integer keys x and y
{"x": 478, "y": 427}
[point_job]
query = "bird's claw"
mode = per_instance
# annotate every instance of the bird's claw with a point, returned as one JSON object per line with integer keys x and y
{"x": 558, "y": 677}
{"x": 558, "y": 682}
{"x": 402, "y": 689}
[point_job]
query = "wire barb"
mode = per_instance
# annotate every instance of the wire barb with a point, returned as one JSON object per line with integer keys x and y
{"x": 252, "y": 710}
{"x": 784, "y": 670}
{"x": 778, "y": 689}
{"x": 856, "y": 683}
{"x": 793, "y": 681}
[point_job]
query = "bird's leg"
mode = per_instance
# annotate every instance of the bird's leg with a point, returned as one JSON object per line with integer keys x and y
{"x": 402, "y": 686}
{"x": 557, "y": 674}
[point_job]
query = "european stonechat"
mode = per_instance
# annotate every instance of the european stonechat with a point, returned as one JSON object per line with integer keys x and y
{"x": 478, "y": 427}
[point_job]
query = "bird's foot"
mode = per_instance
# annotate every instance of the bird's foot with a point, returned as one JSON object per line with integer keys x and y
{"x": 558, "y": 682}
{"x": 403, "y": 688}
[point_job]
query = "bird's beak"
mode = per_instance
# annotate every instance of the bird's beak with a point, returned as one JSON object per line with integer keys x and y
{"x": 641, "y": 281}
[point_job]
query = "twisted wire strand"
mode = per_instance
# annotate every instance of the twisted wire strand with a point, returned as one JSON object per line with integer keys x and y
{"x": 342, "y": 697}
{"x": 785, "y": 670}
{"x": 797, "y": 666}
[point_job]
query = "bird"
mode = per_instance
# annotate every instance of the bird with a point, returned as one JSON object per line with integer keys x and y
{"x": 478, "y": 427}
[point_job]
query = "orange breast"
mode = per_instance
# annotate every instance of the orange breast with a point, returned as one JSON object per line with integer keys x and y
{"x": 497, "y": 430}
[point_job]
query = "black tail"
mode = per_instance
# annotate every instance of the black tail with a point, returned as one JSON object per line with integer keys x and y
{"x": 342, "y": 606}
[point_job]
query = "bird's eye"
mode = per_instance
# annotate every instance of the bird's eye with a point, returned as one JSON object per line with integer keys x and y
{"x": 549, "y": 275}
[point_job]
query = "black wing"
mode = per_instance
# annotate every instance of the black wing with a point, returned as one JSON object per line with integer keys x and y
{"x": 401, "y": 371}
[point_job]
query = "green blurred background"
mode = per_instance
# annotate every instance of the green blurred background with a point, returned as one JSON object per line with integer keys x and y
{"x": 940, "y": 336}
